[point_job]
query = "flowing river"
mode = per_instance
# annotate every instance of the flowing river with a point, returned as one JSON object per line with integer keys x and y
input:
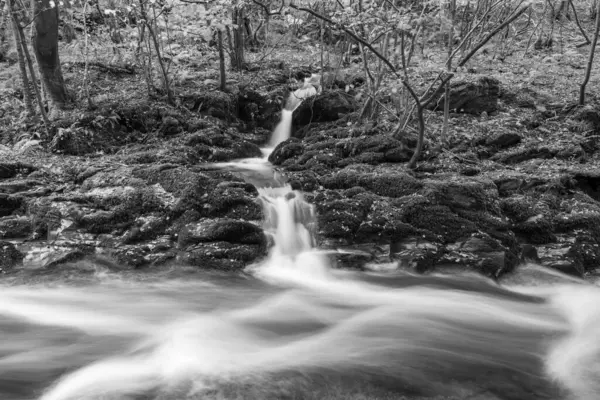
{"x": 291, "y": 327}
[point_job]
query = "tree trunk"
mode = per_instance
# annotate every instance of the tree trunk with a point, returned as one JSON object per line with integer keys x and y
{"x": 22, "y": 66}
{"x": 221, "y": 61}
{"x": 237, "y": 52}
{"x": 44, "y": 40}
{"x": 590, "y": 63}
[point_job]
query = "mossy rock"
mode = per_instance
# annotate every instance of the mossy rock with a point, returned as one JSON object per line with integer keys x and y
{"x": 390, "y": 184}
{"x": 9, "y": 256}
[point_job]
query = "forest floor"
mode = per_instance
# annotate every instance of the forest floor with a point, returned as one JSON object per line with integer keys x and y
{"x": 130, "y": 178}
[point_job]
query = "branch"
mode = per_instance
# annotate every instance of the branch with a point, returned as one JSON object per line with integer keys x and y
{"x": 491, "y": 35}
{"x": 349, "y": 32}
{"x": 268, "y": 11}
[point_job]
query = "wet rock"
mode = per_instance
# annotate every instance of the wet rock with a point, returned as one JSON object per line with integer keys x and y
{"x": 416, "y": 253}
{"x": 286, "y": 150}
{"x": 59, "y": 258}
{"x": 533, "y": 274}
{"x": 222, "y": 255}
{"x": 146, "y": 227}
{"x": 471, "y": 94}
{"x": 221, "y": 230}
{"x": 131, "y": 257}
{"x": 9, "y": 204}
{"x": 340, "y": 217}
{"x": 482, "y": 253}
{"x": 12, "y": 169}
{"x": 261, "y": 109}
{"x": 383, "y": 222}
{"x": 9, "y": 256}
{"x": 15, "y": 227}
{"x": 326, "y": 107}
{"x": 439, "y": 220}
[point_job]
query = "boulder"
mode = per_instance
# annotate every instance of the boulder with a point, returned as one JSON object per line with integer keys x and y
{"x": 9, "y": 256}
{"x": 221, "y": 230}
{"x": 325, "y": 107}
{"x": 470, "y": 94}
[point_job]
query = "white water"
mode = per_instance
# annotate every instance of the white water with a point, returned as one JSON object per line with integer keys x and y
{"x": 293, "y": 328}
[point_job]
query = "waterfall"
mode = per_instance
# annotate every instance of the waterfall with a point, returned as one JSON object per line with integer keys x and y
{"x": 317, "y": 333}
{"x": 283, "y": 130}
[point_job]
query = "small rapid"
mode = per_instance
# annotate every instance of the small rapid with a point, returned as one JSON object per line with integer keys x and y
{"x": 293, "y": 327}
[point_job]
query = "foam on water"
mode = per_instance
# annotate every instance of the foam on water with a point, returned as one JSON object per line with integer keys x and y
{"x": 296, "y": 328}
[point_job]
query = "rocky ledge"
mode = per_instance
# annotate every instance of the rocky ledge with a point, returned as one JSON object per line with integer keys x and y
{"x": 485, "y": 203}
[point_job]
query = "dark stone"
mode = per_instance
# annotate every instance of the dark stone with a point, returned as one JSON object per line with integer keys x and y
{"x": 170, "y": 126}
{"x": 261, "y": 109}
{"x": 9, "y": 256}
{"x": 416, "y": 253}
{"x": 504, "y": 139}
{"x": 471, "y": 95}
{"x": 325, "y": 107}
{"x": 68, "y": 256}
{"x": 221, "y": 230}
{"x": 396, "y": 184}
{"x": 15, "y": 227}
{"x": 482, "y": 253}
{"x": 9, "y": 204}
{"x": 222, "y": 255}
{"x": 12, "y": 169}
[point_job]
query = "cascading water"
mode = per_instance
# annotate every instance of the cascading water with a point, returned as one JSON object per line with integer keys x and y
{"x": 295, "y": 328}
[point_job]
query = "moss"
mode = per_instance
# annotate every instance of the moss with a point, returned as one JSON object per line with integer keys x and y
{"x": 519, "y": 207}
{"x": 439, "y": 220}
{"x": 341, "y": 218}
{"x": 384, "y": 184}
{"x": 470, "y": 195}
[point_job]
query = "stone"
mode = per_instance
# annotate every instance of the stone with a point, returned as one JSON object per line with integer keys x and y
{"x": 9, "y": 256}
{"x": 471, "y": 95}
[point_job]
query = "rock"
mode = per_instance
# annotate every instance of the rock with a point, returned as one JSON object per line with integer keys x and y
{"x": 68, "y": 256}
{"x": 12, "y": 169}
{"x": 482, "y": 253}
{"x": 415, "y": 253}
{"x": 504, "y": 139}
{"x": 389, "y": 148}
{"x": 17, "y": 185}
{"x": 131, "y": 257}
{"x": 15, "y": 227}
{"x": 9, "y": 204}
{"x": 340, "y": 217}
{"x": 396, "y": 184}
{"x": 471, "y": 95}
{"x": 216, "y": 103}
{"x": 286, "y": 150}
{"x": 261, "y": 109}
{"x": 328, "y": 106}
{"x": 523, "y": 154}
{"x": 170, "y": 126}
{"x": 222, "y": 255}
{"x": 9, "y": 256}
{"x": 145, "y": 227}
{"x": 221, "y": 230}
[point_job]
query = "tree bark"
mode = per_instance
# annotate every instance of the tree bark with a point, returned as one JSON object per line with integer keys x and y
{"x": 590, "y": 63}
{"x": 22, "y": 66}
{"x": 44, "y": 40}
